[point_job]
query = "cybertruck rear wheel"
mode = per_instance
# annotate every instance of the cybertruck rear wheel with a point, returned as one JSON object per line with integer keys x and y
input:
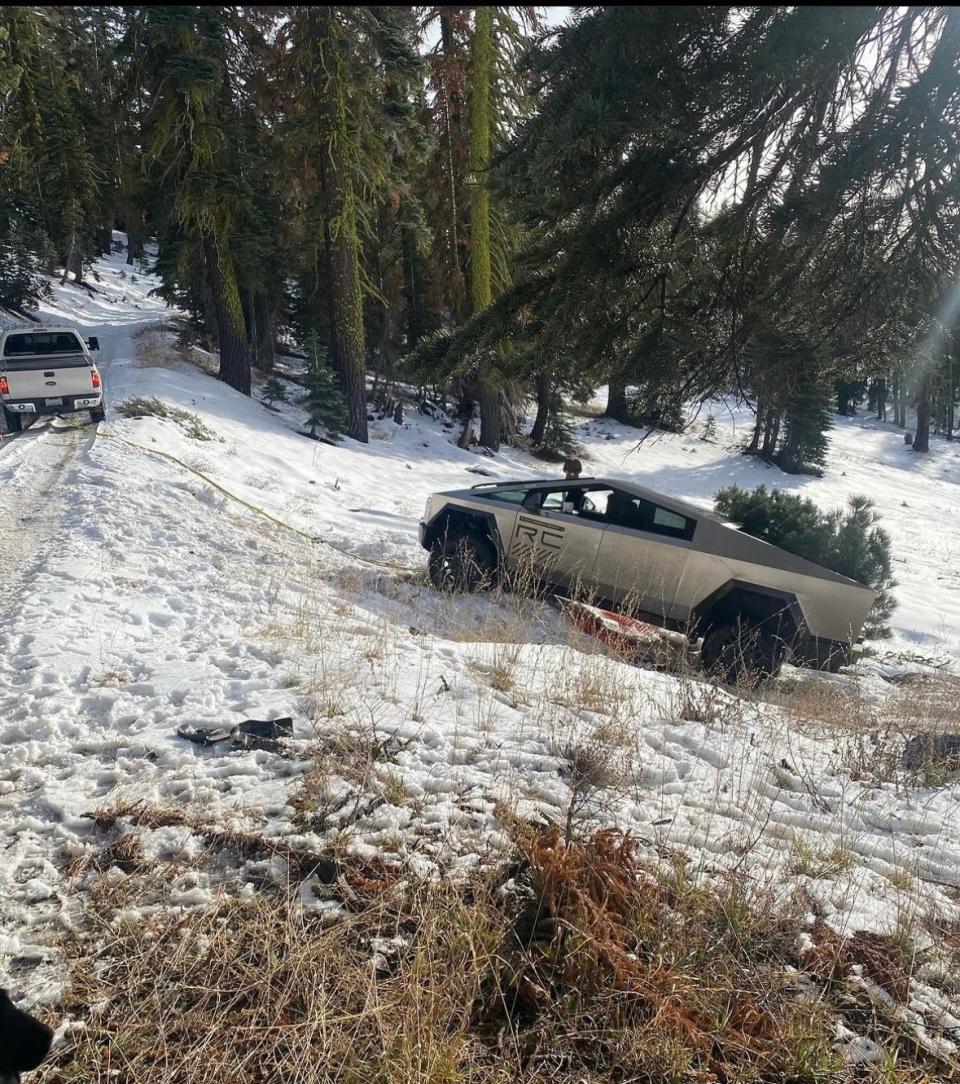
{"x": 462, "y": 562}
{"x": 741, "y": 653}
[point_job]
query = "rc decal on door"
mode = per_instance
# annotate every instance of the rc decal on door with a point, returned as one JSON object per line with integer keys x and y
{"x": 534, "y": 538}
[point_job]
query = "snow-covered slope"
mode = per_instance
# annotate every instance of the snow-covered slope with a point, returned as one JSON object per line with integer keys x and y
{"x": 155, "y": 579}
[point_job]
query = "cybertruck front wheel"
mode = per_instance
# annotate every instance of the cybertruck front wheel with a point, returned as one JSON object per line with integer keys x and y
{"x": 462, "y": 562}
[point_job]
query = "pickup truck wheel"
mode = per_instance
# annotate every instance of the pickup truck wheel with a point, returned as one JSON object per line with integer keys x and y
{"x": 14, "y": 421}
{"x": 741, "y": 652}
{"x": 462, "y": 562}
{"x": 98, "y": 414}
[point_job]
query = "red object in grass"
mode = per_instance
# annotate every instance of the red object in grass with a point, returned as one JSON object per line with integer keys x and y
{"x": 624, "y": 634}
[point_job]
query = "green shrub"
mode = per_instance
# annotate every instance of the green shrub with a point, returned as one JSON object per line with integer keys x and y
{"x": 559, "y": 439}
{"x": 324, "y": 400}
{"x": 274, "y": 391}
{"x": 847, "y": 540}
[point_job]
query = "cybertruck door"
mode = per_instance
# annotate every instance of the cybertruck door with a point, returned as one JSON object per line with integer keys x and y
{"x": 642, "y": 558}
{"x": 553, "y": 548}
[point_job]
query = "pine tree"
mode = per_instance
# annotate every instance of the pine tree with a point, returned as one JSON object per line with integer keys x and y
{"x": 193, "y": 184}
{"x": 273, "y": 391}
{"x": 340, "y": 66}
{"x": 559, "y": 439}
{"x": 481, "y": 287}
{"x": 324, "y": 400}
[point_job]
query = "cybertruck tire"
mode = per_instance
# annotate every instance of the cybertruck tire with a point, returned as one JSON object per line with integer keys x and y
{"x": 741, "y": 653}
{"x": 462, "y": 561}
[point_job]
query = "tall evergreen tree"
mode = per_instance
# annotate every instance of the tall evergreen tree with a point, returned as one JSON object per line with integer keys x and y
{"x": 190, "y": 161}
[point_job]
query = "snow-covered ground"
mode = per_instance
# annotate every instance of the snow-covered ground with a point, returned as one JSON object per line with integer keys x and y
{"x": 153, "y": 579}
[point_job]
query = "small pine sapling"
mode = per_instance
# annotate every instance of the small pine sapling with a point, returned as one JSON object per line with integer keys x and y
{"x": 324, "y": 400}
{"x": 273, "y": 392}
{"x": 559, "y": 440}
{"x": 709, "y": 433}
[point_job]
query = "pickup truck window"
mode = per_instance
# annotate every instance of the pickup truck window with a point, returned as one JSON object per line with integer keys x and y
{"x": 35, "y": 342}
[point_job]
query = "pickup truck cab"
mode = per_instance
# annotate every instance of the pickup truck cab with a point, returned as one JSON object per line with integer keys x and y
{"x": 48, "y": 370}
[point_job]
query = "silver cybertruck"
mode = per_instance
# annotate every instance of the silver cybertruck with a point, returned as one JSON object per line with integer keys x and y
{"x": 749, "y": 605}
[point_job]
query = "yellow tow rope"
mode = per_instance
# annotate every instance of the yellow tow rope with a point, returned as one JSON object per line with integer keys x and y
{"x": 239, "y": 500}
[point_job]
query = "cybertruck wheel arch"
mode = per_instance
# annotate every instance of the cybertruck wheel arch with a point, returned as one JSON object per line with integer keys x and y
{"x": 452, "y": 518}
{"x": 764, "y": 605}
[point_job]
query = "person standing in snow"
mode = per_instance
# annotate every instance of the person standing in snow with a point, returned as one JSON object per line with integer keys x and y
{"x": 572, "y": 468}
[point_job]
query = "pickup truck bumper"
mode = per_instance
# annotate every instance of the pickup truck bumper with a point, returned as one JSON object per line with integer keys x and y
{"x": 61, "y": 404}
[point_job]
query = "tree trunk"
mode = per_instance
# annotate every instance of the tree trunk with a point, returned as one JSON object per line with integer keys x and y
{"x": 899, "y": 407}
{"x": 337, "y": 153}
{"x": 412, "y": 286}
{"x": 543, "y": 409}
{"x": 266, "y": 355}
{"x": 228, "y": 316}
{"x": 452, "y": 124}
{"x": 617, "y": 407}
{"x": 468, "y": 409}
{"x": 771, "y": 433}
{"x": 250, "y": 323}
{"x": 921, "y": 438}
{"x": 481, "y": 275}
{"x": 490, "y": 428}
{"x": 105, "y": 238}
{"x": 73, "y": 261}
{"x": 134, "y": 244}
{"x": 754, "y": 446}
{"x": 346, "y": 301}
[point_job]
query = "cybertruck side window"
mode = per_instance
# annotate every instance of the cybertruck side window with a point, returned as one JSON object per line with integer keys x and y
{"x": 625, "y": 510}
{"x": 508, "y": 496}
{"x": 672, "y": 524}
{"x": 588, "y": 502}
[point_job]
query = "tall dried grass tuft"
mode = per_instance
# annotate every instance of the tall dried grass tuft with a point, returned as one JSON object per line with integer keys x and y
{"x": 574, "y": 962}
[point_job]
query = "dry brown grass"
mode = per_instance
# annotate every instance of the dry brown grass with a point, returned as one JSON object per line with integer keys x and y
{"x": 573, "y": 963}
{"x": 159, "y": 345}
{"x": 871, "y": 732}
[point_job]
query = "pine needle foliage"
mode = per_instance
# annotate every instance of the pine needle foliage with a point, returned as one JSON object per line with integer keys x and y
{"x": 848, "y": 540}
{"x": 323, "y": 400}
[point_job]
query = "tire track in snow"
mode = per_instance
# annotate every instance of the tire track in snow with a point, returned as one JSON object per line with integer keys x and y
{"x": 31, "y": 509}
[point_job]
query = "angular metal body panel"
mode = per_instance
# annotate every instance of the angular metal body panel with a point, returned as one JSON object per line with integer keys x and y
{"x": 671, "y": 578}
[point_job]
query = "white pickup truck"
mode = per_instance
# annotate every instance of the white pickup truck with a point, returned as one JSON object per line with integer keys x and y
{"x": 48, "y": 370}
